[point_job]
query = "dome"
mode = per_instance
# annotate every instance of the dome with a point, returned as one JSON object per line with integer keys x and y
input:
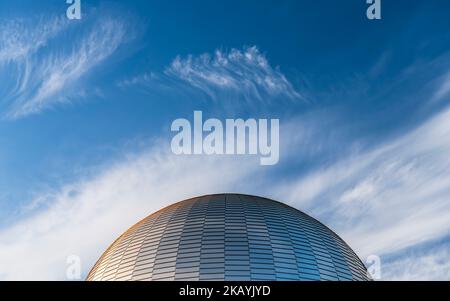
{"x": 229, "y": 237}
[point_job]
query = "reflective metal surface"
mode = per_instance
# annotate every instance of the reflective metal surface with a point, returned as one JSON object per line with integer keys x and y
{"x": 229, "y": 237}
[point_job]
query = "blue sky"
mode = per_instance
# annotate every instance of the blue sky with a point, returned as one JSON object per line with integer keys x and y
{"x": 86, "y": 107}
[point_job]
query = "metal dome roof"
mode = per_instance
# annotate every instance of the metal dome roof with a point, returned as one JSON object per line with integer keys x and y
{"x": 229, "y": 237}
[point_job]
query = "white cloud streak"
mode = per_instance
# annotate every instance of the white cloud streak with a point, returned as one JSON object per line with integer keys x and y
{"x": 246, "y": 72}
{"x": 389, "y": 198}
{"x": 432, "y": 265}
{"x": 85, "y": 217}
{"x": 235, "y": 75}
{"x": 443, "y": 89}
{"x": 44, "y": 75}
{"x": 22, "y": 37}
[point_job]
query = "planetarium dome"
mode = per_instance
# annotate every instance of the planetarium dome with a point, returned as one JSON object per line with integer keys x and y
{"x": 229, "y": 237}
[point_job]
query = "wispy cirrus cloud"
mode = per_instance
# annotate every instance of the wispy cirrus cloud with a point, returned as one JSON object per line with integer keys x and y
{"x": 143, "y": 80}
{"x": 45, "y": 64}
{"x": 432, "y": 264}
{"x": 20, "y": 38}
{"x": 244, "y": 71}
{"x": 443, "y": 88}
{"x": 84, "y": 217}
{"x": 226, "y": 75}
{"x": 385, "y": 199}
